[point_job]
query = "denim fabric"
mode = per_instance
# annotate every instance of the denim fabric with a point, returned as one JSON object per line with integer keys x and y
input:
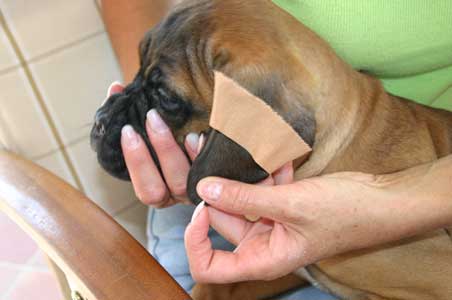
{"x": 165, "y": 231}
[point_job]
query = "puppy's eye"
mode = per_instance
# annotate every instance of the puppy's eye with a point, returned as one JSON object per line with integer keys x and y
{"x": 156, "y": 75}
{"x": 168, "y": 103}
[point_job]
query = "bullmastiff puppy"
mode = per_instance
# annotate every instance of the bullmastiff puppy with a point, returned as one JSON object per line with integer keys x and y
{"x": 347, "y": 118}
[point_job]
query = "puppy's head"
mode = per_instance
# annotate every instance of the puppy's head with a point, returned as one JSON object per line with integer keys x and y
{"x": 254, "y": 42}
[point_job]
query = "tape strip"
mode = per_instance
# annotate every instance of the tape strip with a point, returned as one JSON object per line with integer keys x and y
{"x": 254, "y": 125}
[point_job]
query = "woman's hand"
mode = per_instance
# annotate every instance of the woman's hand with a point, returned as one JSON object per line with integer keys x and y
{"x": 309, "y": 220}
{"x": 148, "y": 184}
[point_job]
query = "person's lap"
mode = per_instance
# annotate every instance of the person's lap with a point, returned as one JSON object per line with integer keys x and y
{"x": 165, "y": 231}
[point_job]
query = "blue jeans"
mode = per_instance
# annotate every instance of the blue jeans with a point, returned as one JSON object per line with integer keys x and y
{"x": 165, "y": 233}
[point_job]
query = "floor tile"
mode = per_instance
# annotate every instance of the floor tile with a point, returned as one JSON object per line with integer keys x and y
{"x": 22, "y": 120}
{"x": 3, "y": 137}
{"x": 8, "y": 58}
{"x": 56, "y": 164}
{"x": 57, "y": 23}
{"x": 109, "y": 193}
{"x": 74, "y": 83}
{"x": 7, "y": 277}
{"x": 39, "y": 260}
{"x": 133, "y": 220}
{"x": 36, "y": 285}
{"x": 16, "y": 246}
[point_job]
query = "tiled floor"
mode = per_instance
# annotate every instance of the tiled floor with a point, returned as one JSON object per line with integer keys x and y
{"x": 23, "y": 271}
{"x": 56, "y": 63}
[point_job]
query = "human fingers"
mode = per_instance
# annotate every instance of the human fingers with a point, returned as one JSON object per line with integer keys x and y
{"x": 253, "y": 260}
{"x": 147, "y": 182}
{"x": 235, "y": 197}
{"x": 173, "y": 162}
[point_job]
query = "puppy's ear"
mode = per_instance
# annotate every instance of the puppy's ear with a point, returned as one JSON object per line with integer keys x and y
{"x": 222, "y": 157}
{"x": 285, "y": 97}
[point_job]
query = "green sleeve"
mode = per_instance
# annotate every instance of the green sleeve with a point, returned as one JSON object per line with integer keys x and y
{"x": 406, "y": 43}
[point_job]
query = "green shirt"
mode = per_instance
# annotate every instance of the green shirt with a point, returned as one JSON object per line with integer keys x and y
{"x": 405, "y": 43}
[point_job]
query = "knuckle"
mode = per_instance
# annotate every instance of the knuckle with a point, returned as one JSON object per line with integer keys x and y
{"x": 240, "y": 198}
{"x": 291, "y": 210}
{"x": 198, "y": 276}
{"x": 152, "y": 195}
{"x": 178, "y": 189}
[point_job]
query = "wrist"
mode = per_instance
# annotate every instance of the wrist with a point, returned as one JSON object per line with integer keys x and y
{"x": 417, "y": 200}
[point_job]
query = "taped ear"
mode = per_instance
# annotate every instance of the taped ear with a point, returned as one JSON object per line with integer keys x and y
{"x": 254, "y": 125}
{"x": 248, "y": 140}
{"x": 222, "y": 157}
{"x": 282, "y": 94}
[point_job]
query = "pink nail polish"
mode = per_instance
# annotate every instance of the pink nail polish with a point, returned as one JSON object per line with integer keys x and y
{"x": 200, "y": 143}
{"x": 198, "y": 210}
{"x": 131, "y": 139}
{"x": 156, "y": 122}
{"x": 192, "y": 141}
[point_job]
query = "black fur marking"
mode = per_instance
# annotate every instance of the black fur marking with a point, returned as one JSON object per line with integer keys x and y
{"x": 235, "y": 163}
{"x": 302, "y": 120}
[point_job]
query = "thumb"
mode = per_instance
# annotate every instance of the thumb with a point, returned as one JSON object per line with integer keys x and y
{"x": 235, "y": 197}
{"x": 115, "y": 88}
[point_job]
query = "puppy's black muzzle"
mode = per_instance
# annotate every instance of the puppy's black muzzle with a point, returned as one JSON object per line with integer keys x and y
{"x": 220, "y": 155}
{"x": 129, "y": 107}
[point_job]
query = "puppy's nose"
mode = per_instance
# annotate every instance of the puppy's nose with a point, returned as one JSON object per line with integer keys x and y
{"x": 98, "y": 131}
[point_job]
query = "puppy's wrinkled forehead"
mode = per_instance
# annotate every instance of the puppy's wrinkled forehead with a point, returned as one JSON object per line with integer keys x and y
{"x": 182, "y": 29}
{"x": 178, "y": 48}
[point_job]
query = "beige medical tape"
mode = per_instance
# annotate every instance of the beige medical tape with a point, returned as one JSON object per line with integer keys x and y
{"x": 254, "y": 125}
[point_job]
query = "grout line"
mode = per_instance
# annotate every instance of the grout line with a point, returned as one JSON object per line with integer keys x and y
{"x": 20, "y": 276}
{"x": 120, "y": 211}
{"x": 24, "y": 267}
{"x": 66, "y": 46}
{"x": 98, "y": 8}
{"x": 51, "y": 52}
{"x": 41, "y": 102}
{"x": 10, "y": 69}
{"x": 59, "y": 148}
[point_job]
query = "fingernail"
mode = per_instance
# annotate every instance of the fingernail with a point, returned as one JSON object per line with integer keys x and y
{"x": 110, "y": 88}
{"x": 156, "y": 123}
{"x": 198, "y": 210}
{"x": 282, "y": 173}
{"x": 200, "y": 143}
{"x": 192, "y": 141}
{"x": 210, "y": 190}
{"x": 109, "y": 92}
{"x": 130, "y": 137}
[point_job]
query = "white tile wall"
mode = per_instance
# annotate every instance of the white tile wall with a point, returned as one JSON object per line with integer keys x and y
{"x": 71, "y": 62}
{"x": 55, "y": 163}
{"x": 29, "y": 132}
{"x": 73, "y": 83}
{"x": 8, "y": 58}
{"x": 43, "y": 25}
{"x": 109, "y": 193}
{"x": 133, "y": 220}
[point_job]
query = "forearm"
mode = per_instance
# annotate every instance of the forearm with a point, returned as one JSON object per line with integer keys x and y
{"x": 421, "y": 197}
{"x": 126, "y": 23}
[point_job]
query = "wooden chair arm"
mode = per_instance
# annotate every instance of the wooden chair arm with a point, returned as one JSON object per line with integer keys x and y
{"x": 94, "y": 252}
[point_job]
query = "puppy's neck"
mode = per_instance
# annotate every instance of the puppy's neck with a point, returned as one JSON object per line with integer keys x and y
{"x": 340, "y": 119}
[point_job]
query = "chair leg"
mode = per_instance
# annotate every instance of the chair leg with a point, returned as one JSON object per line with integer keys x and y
{"x": 61, "y": 278}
